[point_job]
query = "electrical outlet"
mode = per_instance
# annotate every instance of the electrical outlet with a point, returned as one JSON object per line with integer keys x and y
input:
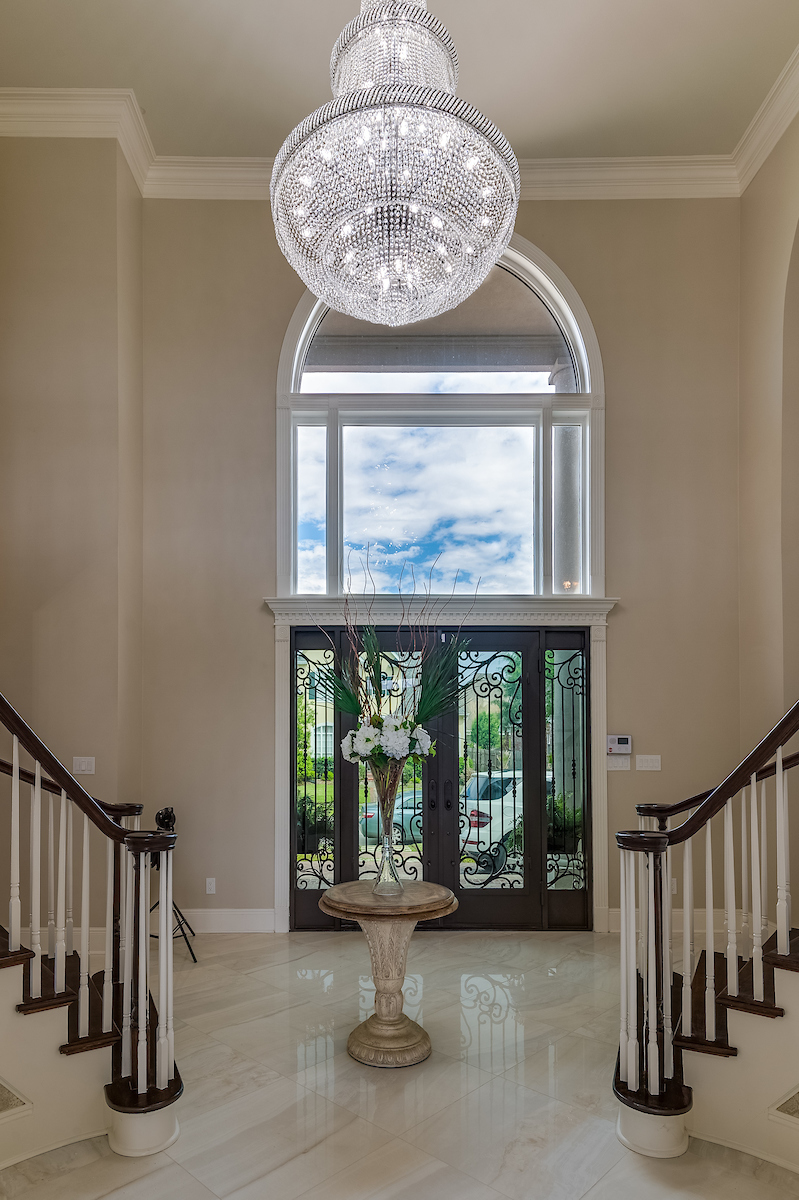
{"x": 673, "y": 886}
{"x": 83, "y": 766}
{"x": 210, "y": 887}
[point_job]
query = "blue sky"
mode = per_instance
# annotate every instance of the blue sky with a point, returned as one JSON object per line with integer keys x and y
{"x": 414, "y": 494}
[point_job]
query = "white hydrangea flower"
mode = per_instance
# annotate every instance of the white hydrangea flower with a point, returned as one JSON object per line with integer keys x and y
{"x": 391, "y": 721}
{"x": 365, "y": 740}
{"x": 347, "y": 748}
{"x": 395, "y": 742}
{"x": 422, "y": 739}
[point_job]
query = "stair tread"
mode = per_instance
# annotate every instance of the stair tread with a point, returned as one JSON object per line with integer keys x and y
{"x": 12, "y": 958}
{"x": 745, "y": 999}
{"x": 697, "y": 1040}
{"x": 786, "y": 962}
{"x": 50, "y": 998}
{"x": 96, "y": 1039}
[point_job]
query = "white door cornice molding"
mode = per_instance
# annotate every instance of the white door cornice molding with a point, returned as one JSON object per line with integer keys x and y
{"x": 115, "y": 112}
{"x": 302, "y": 611}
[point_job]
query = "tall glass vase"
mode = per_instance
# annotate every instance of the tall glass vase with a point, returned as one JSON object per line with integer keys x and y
{"x": 387, "y": 781}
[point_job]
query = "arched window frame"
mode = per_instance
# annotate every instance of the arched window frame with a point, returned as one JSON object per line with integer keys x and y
{"x": 587, "y": 406}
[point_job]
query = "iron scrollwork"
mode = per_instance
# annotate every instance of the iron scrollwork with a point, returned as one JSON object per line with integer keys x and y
{"x": 314, "y": 866}
{"x": 566, "y": 777}
{"x": 491, "y": 808}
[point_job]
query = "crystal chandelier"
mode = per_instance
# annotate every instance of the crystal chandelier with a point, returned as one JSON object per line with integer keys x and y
{"x": 393, "y": 202}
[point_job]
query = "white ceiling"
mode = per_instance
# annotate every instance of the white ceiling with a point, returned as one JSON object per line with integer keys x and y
{"x": 562, "y": 78}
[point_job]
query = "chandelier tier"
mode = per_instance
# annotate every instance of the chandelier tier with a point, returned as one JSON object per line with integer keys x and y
{"x": 393, "y": 202}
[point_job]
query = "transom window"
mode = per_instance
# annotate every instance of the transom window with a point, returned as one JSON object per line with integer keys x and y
{"x": 453, "y": 455}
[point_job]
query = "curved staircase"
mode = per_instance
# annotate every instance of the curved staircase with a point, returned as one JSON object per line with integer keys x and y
{"x": 83, "y": 1051}
{"x": 709, "y": 1018}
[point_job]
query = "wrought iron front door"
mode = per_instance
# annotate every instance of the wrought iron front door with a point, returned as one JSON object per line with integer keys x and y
{"x": 500, "y": 814}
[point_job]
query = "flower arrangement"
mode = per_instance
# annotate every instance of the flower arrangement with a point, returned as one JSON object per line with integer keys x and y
{"x": 393, "y": 694}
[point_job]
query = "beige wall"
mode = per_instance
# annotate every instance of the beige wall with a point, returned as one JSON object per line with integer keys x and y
{"x": 143, "y": 502}
{"x": 218, "y": 297}
{"x": 769, "y": 216}
{"x": 660, "y": 281}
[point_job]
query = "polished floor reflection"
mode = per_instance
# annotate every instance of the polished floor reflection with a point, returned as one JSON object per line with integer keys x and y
{"x": 514, "y": 1102}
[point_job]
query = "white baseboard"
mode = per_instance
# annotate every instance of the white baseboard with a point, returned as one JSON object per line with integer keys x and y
{"x": 231, "y": 920}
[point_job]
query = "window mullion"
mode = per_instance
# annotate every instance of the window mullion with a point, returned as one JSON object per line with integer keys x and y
{"x": 334, "y": 547}
{"x": 546, "y": 525}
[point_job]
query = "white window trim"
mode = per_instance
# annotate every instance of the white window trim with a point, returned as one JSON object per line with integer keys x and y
{"x": 536, "y": 269}
{"x": 533, "y": 267}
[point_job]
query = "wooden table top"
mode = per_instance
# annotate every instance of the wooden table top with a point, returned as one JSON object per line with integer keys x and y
{"x": 421, "y": 900}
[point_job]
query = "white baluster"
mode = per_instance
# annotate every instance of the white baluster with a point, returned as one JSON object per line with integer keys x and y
{"x": 783, "y": 874}
{"x": 143, "y": 1006}
{"x": 60, "y": 965}
{"x": 757, "y": 921}
{"x": 652, "y": 1060}
{"x": 763, "y": 862}
{"x": 50, "y": 877}
{"x": 108, "y": 965}
{"x": 668, "y": 1033}
{"x": 709, "y": 943}
{"x": 70, "y": 924}
{"x": 170, "y": 968}
{"x": 623, "y": 940}
{"x": 632, "y": 974}
{"x": 746, "y": 943}
{"x": 162, "y": 1047}
{"x": 14, "y": 906}
{"x": 729, "y": 901}
{"x": 85, "y": 928}
{"x": 36, "y": 867}
{"x": 687, "y": 932}
{"x": 127, "y": 966}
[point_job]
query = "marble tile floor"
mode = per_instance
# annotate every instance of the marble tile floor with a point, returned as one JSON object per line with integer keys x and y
{"x": 515, "y": 1100}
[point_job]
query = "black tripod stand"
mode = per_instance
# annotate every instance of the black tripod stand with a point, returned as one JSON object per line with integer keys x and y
{"x": 165, "y": 820}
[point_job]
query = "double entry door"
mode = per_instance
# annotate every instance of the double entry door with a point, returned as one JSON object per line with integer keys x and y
{"x": 501, "y": 812}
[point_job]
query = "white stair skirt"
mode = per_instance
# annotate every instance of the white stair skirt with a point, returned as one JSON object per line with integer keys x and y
{"x": 655, "y": 1137}
{"x": 135, "y": 1135}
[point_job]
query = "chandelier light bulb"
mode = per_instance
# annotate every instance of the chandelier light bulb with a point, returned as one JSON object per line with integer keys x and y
{"x": 393, "y": 201}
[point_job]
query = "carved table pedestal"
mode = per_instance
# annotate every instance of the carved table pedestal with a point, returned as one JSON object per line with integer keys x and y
{"x": 388, "y": 1038}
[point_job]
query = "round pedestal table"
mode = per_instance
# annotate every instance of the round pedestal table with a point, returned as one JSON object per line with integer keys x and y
{"x": 388, "y": 1038}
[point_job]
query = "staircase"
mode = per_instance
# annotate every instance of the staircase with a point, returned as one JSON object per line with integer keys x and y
{"x": 83, "y": 1051}
{"x": 709, "y": 1017}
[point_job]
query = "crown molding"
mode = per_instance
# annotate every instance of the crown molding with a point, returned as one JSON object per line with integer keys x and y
{"x": 209, "y": 179}
{"x": 689, "y": 177}
{"x": 115, "y": 113}
{"x": 80, "y": 113}
{"x": 769, "y": 123}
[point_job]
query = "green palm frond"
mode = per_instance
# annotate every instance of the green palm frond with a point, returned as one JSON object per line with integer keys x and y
{"x": 373, "y": 661}
{"x": 339, "y": 689}
{"x": 439, "y": 686}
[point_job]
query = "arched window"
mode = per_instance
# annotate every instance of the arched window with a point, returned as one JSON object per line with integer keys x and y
{"x": 462, "y": 453}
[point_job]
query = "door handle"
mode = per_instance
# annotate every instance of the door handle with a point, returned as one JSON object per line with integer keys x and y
{"x": 433, "y": 791}
{"x": 447, "y": 793}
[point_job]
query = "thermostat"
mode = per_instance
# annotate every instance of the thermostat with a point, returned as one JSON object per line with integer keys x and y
{"x": 620, "y": 743}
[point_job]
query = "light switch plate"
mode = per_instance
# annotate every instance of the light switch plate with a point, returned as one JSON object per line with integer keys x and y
{"x": 647, "y": 762}
{"x": 83, "y": 766}
{"x": 618, "y": 762}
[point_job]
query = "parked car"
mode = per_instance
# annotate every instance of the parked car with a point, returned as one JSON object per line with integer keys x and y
{"x": 493, "y": 805}
{"x": 407, "y": 820}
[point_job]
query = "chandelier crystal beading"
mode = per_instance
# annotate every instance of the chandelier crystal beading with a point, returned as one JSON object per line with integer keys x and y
{"x": 393, "y": 201}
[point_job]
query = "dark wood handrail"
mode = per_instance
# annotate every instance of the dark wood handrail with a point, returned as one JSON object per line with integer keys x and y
{"x": 60, "y": 776}
{"x": 664, "y": 811}
{"x": 113, "y": 810}
{"x": 714, "y": 801}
